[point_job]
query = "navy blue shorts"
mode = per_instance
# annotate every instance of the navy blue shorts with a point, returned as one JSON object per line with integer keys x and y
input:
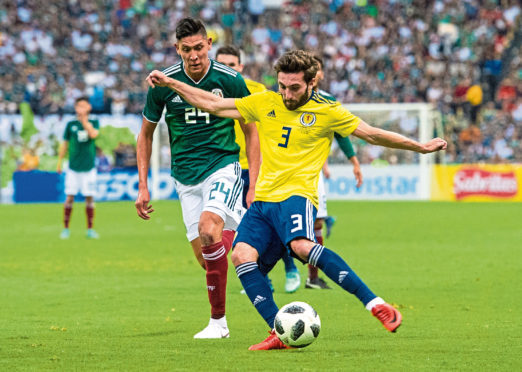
{"x": 270, "y": 227}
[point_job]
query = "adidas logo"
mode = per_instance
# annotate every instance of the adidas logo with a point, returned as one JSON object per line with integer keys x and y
{"x": 176, "y": 99}
{"x": 271, "y": 114}
{"x": 342, "y": 275}
{"x": 211, "y": 287}
{"x": 259, "y": 299}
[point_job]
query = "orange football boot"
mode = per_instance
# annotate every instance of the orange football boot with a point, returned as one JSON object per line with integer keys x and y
{"x": 272, "y": 342}
{"x": 389, "y": 316}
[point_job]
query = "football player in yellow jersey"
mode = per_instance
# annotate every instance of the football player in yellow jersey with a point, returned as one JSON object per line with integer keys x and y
{"x": 230, "y": 56}
{"x": 296, "y": 128}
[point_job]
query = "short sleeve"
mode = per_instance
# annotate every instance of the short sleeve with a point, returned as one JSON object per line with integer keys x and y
{"x": 96, "y": 124}
{"x": 343, "y": 121}
{"x": 247, "y": 107}
{"x": 154, "y": 106}
{"x": 240, "y": 88}
{"x": 67, "y": 132}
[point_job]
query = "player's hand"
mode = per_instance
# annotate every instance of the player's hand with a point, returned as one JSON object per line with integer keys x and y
{"x": 358, "y": 175}
{"x": 59, "y": 168}
{"x": 435, "y": 144}
{"x": 326, "y": 171}
{"x": 142, "y": 204}
{"x": 157, "y": 79}
{"x": 251, "y": 194}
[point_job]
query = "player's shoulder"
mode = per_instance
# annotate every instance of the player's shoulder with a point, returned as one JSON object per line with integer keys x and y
{"x": 173, "y": 70}
{"x": 326, "y": 95}
{"x": 71, "y": 122}
{"x": 221, "y": 69}
{"x": 321, "y": 99}
{"x": 254, "y": 87}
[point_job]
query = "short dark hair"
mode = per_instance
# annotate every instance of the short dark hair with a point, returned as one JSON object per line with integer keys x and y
{"x": 82, "y": 98}
{"x": 230, "y": 50}
{"x": 296, "y": 61}
{"x": 319, "y": 60}
{"x": 188, "y": 27}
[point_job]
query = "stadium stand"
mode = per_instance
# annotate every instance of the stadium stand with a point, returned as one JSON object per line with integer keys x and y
{"x": 461, "y": 56}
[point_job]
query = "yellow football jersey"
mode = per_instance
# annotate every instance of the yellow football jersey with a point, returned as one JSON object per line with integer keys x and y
{"x": 294, "y": 144}
{"x": 253, "y": 87}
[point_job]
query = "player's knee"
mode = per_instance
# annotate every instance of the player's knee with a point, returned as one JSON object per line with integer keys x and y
{"x": 243, "y": 253}
{"x": 302, "y": 248}
{"x": 210, "y": 228}
{"x": 69, "y": 201}
{"x": 318, "y": 224}
{"x": 208, "y": 236}
{"x": 89, "y": 202}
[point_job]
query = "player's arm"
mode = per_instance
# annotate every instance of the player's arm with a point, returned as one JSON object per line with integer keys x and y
{"x": 347, "y": 148}
{"x": 253, "y": 155}
{"x": 143, "y": 152}
{"x": 206, "y": 101}
{"x": 381, "y": 137}
{"x": 61, "y": 154}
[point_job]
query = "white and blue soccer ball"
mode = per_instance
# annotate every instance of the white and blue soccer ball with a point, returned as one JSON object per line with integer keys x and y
{"x": 297, "y": 324}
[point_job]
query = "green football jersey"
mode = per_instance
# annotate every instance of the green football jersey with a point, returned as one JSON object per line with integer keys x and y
{"x": 82, "y": 150}
{"x": 200, "y": 143}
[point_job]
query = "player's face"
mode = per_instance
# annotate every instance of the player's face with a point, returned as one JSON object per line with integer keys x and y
{"x": 193, "y": 50}
{"x": 82, "y": 107}
{"x": 294, "y": 89}
{"x": 230, "y": 61}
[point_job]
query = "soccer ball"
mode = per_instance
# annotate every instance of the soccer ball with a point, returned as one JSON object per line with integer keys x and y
{"x": 297, "y": 324}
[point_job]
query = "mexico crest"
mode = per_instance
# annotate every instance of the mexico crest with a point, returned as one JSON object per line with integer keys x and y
{"x": 307, "y": 119}
{"x": 218, "y": 92}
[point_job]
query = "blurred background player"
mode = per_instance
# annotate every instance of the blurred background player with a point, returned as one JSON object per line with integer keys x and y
{"x": 205, "y": 164}
{"x": 314, "y": 281}
{"x": 79, "y": 136}
{"x": 231, "y": 56}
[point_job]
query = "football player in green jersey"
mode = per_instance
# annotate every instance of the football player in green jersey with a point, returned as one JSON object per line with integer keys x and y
{"x": 79, "y": 139}
{"x": 230, "y": 56}
{"x": 204, "y": 161}
{"x": 296, "y": 129}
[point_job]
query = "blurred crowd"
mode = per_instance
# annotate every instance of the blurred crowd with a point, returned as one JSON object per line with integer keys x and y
{"x": 462, "y": 56}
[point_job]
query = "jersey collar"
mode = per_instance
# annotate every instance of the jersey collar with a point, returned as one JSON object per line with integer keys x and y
{"x": 313, "y": 95}
{"x": 200, "y": 80}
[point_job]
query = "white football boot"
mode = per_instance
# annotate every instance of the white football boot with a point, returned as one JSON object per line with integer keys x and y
{"x": 217, "y": 328}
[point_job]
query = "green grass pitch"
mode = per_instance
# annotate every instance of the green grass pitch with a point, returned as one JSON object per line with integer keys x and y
{"x": 132, "y": 300}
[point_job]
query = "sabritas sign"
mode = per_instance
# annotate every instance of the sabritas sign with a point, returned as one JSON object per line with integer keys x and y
{"x": 471, "y": 182}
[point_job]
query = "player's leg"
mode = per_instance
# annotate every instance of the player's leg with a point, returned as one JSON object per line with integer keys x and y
{"x": 72, "y": 187}
{"x": 245, "y": 176}
{"x": 89, "y": 212}
{"x": 339, "y": 271}
{"x": 252, "y": 265}
{"x": 196, "y": 248}
{"x": 219, "y": 219}
{"x": 314, "y": 281}
{"x": 293, "y": 279}
{"x": 67, "y": 212}
{"x": 214, "y": 253}
{"x": 191, "y": 199}
{"x": 88, "y": 190}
